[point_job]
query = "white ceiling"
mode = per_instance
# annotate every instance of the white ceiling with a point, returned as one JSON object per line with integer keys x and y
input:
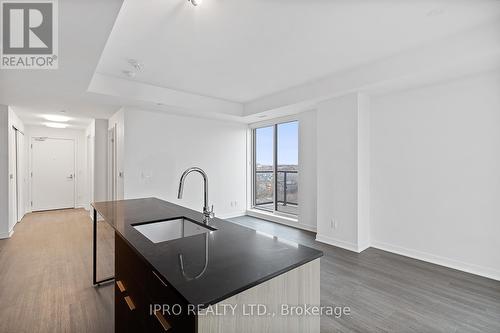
{"x": 246, "y": 49}
{"x": 238, "y": 60}
{"x": 84, "y": 27}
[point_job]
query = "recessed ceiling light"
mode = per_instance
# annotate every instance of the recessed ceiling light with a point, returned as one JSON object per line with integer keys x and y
{"x": 129, "y": 73}
{"x": 435, "y": 12}
{"x": 54, "y": 117}
{"x": 196, "y": 2}
{"x": 56, "y": 125}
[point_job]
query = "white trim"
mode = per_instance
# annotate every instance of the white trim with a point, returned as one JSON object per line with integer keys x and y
{"x": 438, "y": 260}
{"x": 339, "y": 243}
{"x": 361, "y": 248}
{"x": 288, "y": 221}
{"x": 274, "y": 121}
{"x": 231, "y": 215}
{"x": 5, "y": 235}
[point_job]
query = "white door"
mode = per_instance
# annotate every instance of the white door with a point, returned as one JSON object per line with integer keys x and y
{"x": 53, "y": 178}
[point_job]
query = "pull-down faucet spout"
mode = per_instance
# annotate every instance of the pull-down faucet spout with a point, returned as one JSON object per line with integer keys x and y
{"x": 207, "y": 213}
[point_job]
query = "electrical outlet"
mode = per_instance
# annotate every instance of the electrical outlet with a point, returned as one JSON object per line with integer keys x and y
{"x": 236, "y": 204}
{"x": 333, "y": 223}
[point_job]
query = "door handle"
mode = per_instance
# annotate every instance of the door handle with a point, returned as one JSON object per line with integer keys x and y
{"x": 70, "y": 176}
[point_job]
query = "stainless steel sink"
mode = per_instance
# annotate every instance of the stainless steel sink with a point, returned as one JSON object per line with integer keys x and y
{"x": 162, "y": 231}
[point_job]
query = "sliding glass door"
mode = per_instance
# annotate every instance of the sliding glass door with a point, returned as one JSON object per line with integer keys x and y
{"x": 264, "y": 168}
{"x": 287, "y": 166}
{"x": 276, "y": 168}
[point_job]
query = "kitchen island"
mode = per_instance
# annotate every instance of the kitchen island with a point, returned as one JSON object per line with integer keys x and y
{"x": 175, "y": 274}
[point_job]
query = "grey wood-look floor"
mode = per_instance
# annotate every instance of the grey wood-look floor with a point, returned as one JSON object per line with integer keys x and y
{"x": 46, "y": 277}
{"x": 45, "y": 283}
{"x": 387, "y": 292}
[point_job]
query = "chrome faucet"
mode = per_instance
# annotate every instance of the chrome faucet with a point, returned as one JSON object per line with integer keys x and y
{"x": 207, "y": 213}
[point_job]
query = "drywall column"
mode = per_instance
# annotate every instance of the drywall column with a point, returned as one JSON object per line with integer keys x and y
{"x": 117, "y": 123}
{"x": 343, "y": 171}
{"x": 100, "y": 160}
{"x": 4, "y": 171}
{"x": 364, "y": 170}
{"x": 307, "y": 174}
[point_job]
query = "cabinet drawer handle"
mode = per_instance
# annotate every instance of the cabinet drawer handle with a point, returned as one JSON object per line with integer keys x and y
{"x": 120, "y": 285}
{"x": 161, "y": 280}
{"x": 164, "y": 323}
{"x": 130, "y": 304}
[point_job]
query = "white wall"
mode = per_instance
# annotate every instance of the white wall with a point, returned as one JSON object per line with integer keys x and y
{"x": 4, "y": 171}
{"x": 100, "y": 160}
{"x": 159, "y": 147}
{"x": 436, "y": 173}
{"x": 81, "y": 196}
{"x": 307, "y": 169}
{"x": 19, "y": 178}
{"x": 96, "y": 136}
{"x": 343, "y": 179}
{"x": 364, "y": 172}
{"x": 90, "y": 167}
{"x": 117, "y": 122}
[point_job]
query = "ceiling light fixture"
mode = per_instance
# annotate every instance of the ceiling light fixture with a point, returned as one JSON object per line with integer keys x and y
{"x": 196, "y": 2}
{"x": 54, "y": 117}
{"x": 55, "y": 125}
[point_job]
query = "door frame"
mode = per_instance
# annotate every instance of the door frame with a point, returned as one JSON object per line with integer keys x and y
{"x": 20, "y": 184}
{"x": 76, "y": 170}
{"x": 90, "y": 166}
{"x": 112, "y": 164}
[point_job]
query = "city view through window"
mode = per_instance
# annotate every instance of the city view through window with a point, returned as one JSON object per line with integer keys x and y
{"x": 276, "y": 153}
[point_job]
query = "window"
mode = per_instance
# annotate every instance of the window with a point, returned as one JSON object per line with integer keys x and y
{"x": 276, "y": 167}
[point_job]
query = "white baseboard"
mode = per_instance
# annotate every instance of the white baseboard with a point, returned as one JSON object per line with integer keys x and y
{"x": 361, "y": 248}
{"x": 5, "y": 235}
{"x": 231, "y": 215}
{"x": 288, "y": 221}
{"x": 340, "y": 243}
{"x": 438, "y": 260}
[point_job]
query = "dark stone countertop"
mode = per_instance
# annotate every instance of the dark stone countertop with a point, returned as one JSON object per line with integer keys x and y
{"x": 238, "y": 257}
